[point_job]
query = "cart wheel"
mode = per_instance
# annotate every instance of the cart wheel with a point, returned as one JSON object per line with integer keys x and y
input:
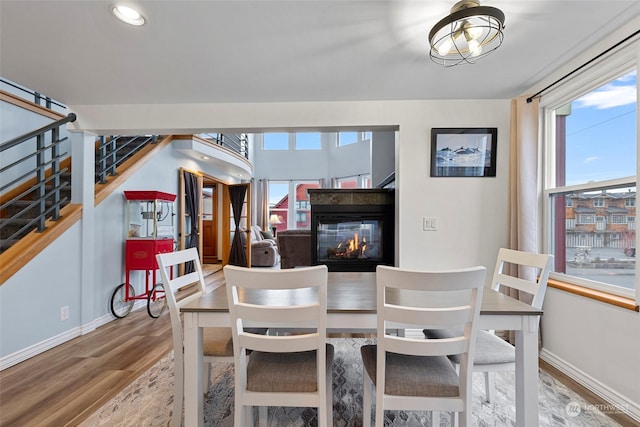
{"x": 156, "y": 301}
{"x": 120, "y": 306}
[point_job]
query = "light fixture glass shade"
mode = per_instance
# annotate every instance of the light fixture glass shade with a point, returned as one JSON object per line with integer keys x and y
{"x": 469, "y": 33}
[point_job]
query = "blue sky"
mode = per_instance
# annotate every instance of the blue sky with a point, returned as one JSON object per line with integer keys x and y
{"x": 601, "y": 132}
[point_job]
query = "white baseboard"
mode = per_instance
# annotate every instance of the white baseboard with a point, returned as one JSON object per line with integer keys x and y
{"x": 35, "y": 349}
{"x": 615, "y": 401}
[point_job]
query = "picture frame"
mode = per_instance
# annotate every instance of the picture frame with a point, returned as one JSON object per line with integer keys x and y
{"x": 463, "y": 152}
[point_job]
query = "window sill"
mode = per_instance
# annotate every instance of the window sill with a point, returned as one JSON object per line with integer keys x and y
{"x": 605, "y": 297}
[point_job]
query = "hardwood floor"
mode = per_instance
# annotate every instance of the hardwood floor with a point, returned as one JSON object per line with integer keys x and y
{"x": 63, "y": 386}
{"x": 66, "y": 384}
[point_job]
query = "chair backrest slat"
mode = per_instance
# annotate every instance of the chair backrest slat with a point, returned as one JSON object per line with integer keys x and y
{"x": 523, "y": 271}
{"x": 291, "y": 298}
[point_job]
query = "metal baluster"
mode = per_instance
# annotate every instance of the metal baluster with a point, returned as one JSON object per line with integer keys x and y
{"x": 40, "y": 176}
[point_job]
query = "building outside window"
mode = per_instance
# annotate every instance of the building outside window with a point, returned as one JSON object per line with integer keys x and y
{"x": 280, "y": 193}
{"x": 591, "y": 143}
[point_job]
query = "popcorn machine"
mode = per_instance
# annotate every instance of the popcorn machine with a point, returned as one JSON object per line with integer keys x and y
{"x": 149, "y": 230}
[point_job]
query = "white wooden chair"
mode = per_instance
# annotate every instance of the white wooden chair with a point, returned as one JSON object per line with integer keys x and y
{"x": 283, "y": 370}
{"x": 492, "y": 352}
{"x": 216, "y": 342}
{"x": 415, "y": 374}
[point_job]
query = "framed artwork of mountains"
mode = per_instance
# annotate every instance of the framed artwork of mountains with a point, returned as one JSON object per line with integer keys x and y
{"x": 463, "y": 152}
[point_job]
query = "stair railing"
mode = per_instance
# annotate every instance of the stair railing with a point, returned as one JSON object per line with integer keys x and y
{"x": 113, "y": 150}
{"x": 43, "y": 198}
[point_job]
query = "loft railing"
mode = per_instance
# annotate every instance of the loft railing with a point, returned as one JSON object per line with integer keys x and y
{"x": 43, "y": 200}
{"x": 112, "y": 151}
{"x": 37, "y": 97}
{"x": 237, "y": 142}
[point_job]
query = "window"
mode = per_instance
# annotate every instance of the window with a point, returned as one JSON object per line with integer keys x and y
{"x": 299, "y": 209}
{"x": 347, "y": 138}
{"x": 303, "y": 206}
{"x": 276, "y": 141}
{"x": 278, "y": 204}
{"x": 308, "y": 141}
{"x": 591, "y": 149}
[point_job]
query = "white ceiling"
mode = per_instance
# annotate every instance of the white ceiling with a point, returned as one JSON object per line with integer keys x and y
{"x": 210, "y": 51}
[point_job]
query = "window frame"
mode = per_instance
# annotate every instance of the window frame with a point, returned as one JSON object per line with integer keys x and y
{"x": 606, "y": 70}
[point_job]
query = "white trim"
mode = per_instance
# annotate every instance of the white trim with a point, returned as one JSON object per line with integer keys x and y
{"x": 41, "y": 347}
{"x": 618, "y": 401}
{"x": 35, "y": 349}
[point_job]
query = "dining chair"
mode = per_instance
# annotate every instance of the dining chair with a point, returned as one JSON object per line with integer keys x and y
{"x": 216, "y": 342}
{"x": 524, "y": 272}
{"x": 293, "y": 370}
{"x": 415, "y": 374}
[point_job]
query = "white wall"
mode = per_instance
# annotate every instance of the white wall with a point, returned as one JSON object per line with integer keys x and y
{"x": 596, "y": 343}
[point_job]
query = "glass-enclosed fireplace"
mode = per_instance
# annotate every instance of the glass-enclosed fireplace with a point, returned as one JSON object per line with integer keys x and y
{"x": 352, "y": 237}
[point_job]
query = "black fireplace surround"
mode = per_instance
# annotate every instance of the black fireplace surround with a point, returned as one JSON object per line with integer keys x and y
{"x": 352, "y": 229}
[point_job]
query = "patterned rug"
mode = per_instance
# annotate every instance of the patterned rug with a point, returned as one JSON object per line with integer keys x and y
{"x": 148, "y": 400}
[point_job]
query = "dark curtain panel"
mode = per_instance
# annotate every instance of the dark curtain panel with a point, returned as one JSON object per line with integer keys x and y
{"x": 236, "y": 195}
{"x": 192, "y": 204}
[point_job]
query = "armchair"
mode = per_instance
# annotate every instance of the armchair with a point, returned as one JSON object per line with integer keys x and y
{"x": 264, "y": 252}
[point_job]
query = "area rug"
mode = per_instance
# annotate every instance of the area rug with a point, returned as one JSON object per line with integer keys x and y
{"x": 148, "y": 401}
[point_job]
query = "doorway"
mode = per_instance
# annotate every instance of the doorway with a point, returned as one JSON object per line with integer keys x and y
{"x": 210, "y": 219}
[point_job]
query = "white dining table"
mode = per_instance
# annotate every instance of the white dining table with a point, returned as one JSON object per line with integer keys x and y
{"x": 351, "y": 306}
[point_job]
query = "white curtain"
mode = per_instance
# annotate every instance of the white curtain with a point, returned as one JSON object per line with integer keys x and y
{"x": 262, "y": 216}
{"x": 523, "y": 184}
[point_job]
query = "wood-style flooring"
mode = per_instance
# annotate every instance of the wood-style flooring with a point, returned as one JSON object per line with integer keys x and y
{"x": 64, "y": 385}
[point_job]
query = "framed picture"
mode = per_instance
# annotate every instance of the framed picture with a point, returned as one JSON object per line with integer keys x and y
{"x": 463, "y": 152}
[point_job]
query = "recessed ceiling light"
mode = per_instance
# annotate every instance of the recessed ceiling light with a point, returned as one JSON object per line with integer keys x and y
{"x": 128, "y": 15}
{"x": 205, "y": 158}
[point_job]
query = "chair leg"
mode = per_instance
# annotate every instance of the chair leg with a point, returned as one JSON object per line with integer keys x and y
{"x": 178, "y": 396}
{"x": 263, "y": 416}
{"x": 329, "y": 400}
{"x": 435, "y": 418}
{"x": 490, "y": 386}
{"x": 367, "y": 384}
{"x": 379, "y": 406}
{"x": 206, "y": 377}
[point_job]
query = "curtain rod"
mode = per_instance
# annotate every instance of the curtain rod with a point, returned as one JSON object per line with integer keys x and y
{"x": 582, "y": 66}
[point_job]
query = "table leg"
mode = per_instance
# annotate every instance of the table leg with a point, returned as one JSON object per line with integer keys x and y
{"x": 193, "y": 402}
{"x": 527, "y": 373}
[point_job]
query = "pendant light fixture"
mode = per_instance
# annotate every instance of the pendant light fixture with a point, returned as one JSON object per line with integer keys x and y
{"x": 469, "y": 33}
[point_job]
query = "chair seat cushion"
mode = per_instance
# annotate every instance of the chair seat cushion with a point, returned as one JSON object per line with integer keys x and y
{"x": 414, "y": 375}
{"x": 284, "y": 372}
{"x": 490, "y": 349}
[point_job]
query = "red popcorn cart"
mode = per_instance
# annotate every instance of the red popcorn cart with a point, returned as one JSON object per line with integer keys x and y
{"x": 149, "y": 231}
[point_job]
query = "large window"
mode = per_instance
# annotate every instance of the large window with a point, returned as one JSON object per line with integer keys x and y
{"x": 308, "y": 141}
{"x": 348, "y": 138}
{"x": 276, "y": 141}
{"x": 294, "y": 215}
{"x": 591, "y": 146}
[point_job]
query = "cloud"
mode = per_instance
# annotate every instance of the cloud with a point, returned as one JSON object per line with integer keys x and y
{"x": 609, "y": 96}
{"x": 590, "y": 159}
